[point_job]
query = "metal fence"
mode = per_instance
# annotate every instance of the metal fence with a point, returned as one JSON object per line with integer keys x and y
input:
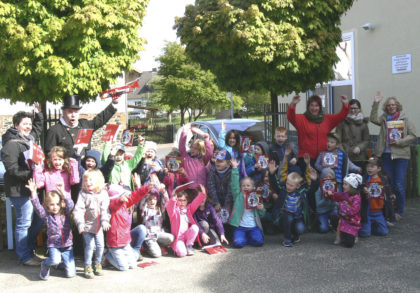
{"x": 155, "y": 132}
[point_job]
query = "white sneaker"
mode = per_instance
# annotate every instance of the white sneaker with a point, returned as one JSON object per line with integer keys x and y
{"x": 190, "y": 250}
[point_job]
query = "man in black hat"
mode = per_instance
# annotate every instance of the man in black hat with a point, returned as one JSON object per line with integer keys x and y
{"x": 64, "y": 133}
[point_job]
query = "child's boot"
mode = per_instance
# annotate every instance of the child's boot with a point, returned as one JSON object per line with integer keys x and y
{"x": 97, "y": 269}
{"x": 88, "y": 272}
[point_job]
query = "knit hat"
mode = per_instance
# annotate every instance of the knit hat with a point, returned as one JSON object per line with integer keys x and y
{"x": 222, "y": 154}
{"x": 334, "y": 135}
{"x": 116, "y": 190}
{"x": 150, "y": 145}
{"x": 325, "y": 172}
{"x": 263, "y": 145}
{"x": 354, "y": 180}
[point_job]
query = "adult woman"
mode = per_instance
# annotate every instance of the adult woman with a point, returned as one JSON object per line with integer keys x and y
{"x": 312, "y": 126}
{"x": 393, "y": 149}
{"x": 16, "y": 140}
{"x": 354, "y": 134}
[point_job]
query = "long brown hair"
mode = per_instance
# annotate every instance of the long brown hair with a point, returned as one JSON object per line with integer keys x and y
{"x": 61, "y": 152}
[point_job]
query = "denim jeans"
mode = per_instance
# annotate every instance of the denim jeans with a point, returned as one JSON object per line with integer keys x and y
{"x": 292, "y": 227}
{"x": 324, "y": 220}
{"x": 28, "y": 225}
{"x": 243, "y": 236}
{"x": 65, "y": 255}
{"x": 396, "y": 169}
{"x": 93, "y": 243}
{"x": 124, "y": 258}
{"x": 376, "y": 225}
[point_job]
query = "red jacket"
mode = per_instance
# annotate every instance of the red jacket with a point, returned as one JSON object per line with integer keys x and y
{"x": 121, "y": 218}
{"x": 312, "y": 137}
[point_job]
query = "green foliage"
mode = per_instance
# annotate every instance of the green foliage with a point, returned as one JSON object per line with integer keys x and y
{"x": 183, "y": 85}
{"x": 55, "y": 47}
{"x": 275, "y": 45}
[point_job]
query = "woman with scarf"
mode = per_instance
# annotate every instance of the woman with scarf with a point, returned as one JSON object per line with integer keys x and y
{"x": 16, "y": 141}
{"x": 312, "y": 126}
{"x": 393, "y": 144}
{"x": 354, "y": 134}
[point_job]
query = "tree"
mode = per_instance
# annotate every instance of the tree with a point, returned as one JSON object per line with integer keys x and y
{"x": 183, "y": 85}
{"x": 55, "y": 47}
{"x": 276, "y": 45}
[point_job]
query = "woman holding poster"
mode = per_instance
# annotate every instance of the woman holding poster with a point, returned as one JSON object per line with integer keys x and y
{"x": 393, "y": 144}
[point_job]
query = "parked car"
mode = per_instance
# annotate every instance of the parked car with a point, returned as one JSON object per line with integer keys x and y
{"x": 247, "y": 127}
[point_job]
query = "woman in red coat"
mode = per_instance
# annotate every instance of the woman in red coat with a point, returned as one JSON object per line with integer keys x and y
{"x": 312, "y": 126}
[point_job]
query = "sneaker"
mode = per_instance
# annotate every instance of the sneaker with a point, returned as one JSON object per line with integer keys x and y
{"x": 356, "y": 240}
{"x": 190, "y": 250}
{"x": 398, "y": 217}
{"x": 337, "y": 241}
{"x": 296, "y": 240}
{"x": 88, "y": 272}
{"x": 44, "y": 274}
{"x": 33, "y": 262}
{"x": 140, "y": 257}
{"x": 390, "y": 224}
{"x": 97, "y": 269}
{"x": 287, "y": 243}
{"x": 39, "y": 258}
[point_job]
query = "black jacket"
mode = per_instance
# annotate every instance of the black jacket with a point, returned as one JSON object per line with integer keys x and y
{"x": 60, "y": 135}
{"x": 17, "y": 171}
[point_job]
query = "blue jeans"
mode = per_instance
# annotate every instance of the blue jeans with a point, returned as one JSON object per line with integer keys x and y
{"x": 64, "y": 255}
{"x": 324, "y": 221}
{"x": 243, "y": 236}
{"x": 93, "y": 243}
{"x": 124, "y": 258}
{"x": 396, "y": 169}
{"x": 376, "y": 225}
{"x": 28, "y": 225}
{"x": 292, "y": 227}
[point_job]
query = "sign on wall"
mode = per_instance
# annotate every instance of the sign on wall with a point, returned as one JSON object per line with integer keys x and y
{"x": 401, "y": 63}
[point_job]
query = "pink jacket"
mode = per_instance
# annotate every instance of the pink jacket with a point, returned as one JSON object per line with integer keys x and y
{"x": 195, "y": 168}
{"x": 174, "y": 214}
{"x": 49, "y": 179}
{"x": 349, "y": 212}
{"x": 169, "y": 181}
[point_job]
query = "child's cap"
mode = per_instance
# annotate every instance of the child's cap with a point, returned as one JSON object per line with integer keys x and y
{"x": 150, "y": 145}
{"x": 120, "y": 147}
{"x": 374, "y": 161}
{"x": 222, "y": 154}
{"x": 116, "y": 190}
{"x": 334, "y": 135}
{"x": 326, "y": 171}
{"x": 353, "y": 179}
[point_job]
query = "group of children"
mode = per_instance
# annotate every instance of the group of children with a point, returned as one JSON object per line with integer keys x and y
{"x": 245, "y": 199}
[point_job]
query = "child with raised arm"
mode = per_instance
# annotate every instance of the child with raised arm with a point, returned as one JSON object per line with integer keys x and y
{"x": 55, "y": 212}
{"x": 92, "y": 218}
{"x": 348, "y": 209}
{"x": 124, "y": 244}
{"x": 183, "y": 225}
{"x": 247, "y": 223}
{"x": 150, "y": 164}
{"x": 196, "y": 160}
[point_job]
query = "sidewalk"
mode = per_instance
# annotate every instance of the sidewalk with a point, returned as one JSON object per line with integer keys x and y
{"x": 375, "y": 264}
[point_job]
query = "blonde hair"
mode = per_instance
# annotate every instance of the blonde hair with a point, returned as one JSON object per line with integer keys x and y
{"x": 62, "y": 153}
{"x": 201, "y": 146}
{"x": 399, "y": 106}
{"x": 295, "y": 178}
{"x": 97, "y": 178}
{"x": 50, "y": 196}
{"x": 247, "y": 178}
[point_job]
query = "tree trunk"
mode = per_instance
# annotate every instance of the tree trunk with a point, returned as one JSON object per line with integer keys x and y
{"x": 274, "y": 110}
{"x": 182, "y": 115}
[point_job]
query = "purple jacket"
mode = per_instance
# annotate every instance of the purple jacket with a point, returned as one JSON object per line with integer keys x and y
{"x": 58, "y": 226}
{"x": 349, "y": 212}
{"x": 210, "y": 216}
{"x": 195, "y": 167}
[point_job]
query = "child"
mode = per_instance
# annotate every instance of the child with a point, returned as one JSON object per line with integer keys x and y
{"x": 152, "y": 217}
{"x": 55, "y": 212}
{"x": 208, "y": 223}
{"x": 260, "y": 148}
{"x": 124, "y": 245}
{"x": 268, "y": 198}
{"x": 183, "y": 226}
{"x": 172, "y": 180}
{"x": 376, "y": 202}
{"x": 196, "y": 160}
{"x": 60, "y": 168}
{"x": 92, "y": 161}
{"x": 325, "y": 208}
{"x": 278, "y": 148}
{"x": 121, "y": 173}
{"x": 150, "y": 164}
{"x": 335, "y": 159}
{"x": 247, "y": 221}
{"x": 348, "y": 209}
{"x": 91, "y": 217}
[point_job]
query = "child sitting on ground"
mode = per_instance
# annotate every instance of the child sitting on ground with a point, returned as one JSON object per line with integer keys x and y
{"x": 152, "y": 213}
{"x": 348, "y": 209}
{"x": 55, "y": 212}
{"x": 183, "y": 226}
{"x": 247, "y": 223}
{"x": 376, "y": 201}
{"x": 92, "y": 218}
